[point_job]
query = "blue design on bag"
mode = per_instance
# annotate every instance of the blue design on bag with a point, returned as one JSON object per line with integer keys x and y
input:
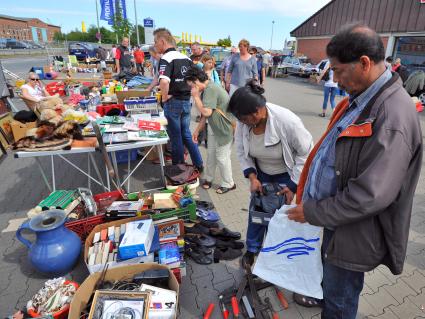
{"x": 301, "y": 248}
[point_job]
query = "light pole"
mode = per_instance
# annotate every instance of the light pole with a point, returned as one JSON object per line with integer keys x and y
{"x": 99, "y": 39}
{"x": 271, "y": 39}
{"x": 137, "y": 26}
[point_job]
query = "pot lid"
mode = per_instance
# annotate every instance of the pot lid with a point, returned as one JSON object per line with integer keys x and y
{"x": 48, "y": 220}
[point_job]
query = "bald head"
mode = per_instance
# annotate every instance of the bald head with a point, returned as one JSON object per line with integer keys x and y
{"x": 354, "y": 41}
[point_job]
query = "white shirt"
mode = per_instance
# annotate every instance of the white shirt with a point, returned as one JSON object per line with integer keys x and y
{"x": 36, "y": 92}
{"x": 330, "y": 83}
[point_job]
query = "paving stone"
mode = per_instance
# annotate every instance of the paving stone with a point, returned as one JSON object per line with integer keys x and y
{"x": 388, "y": 314}
{"x": 407, "y": 310}
{"x": 418, "y": 300}
{"x": 416, "y": 281}
{"x": 399, "y": 291}
{"x": 366, "y": 290}
{"x": 307, "y": 313}
{"x": 376, "y": 280}
{"x": 381, "y": 300}
{"x": 365, "y": 308}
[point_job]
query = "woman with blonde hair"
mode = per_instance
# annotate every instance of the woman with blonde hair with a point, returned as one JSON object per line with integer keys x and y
{"x": 209, "y": 68}
{"x": 242, "y": 68}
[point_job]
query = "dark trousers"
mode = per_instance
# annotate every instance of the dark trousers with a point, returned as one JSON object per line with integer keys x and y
{"x": 341, "y": 287}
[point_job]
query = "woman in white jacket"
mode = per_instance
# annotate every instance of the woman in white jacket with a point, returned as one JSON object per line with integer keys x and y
{"x": 272, "y": 146}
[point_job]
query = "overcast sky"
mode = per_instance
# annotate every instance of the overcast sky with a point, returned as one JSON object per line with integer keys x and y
{"x": 212, "y": 19}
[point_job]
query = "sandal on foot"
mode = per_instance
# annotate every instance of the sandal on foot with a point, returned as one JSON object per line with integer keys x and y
{"x": 223, "y": 190}
{"x": 306, "y": 301}
{"x": 206, "y": 185}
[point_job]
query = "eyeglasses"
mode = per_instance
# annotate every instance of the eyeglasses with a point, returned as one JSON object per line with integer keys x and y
{"x": 35, "y": 79}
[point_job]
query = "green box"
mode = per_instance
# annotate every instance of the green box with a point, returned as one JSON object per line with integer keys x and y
{"x": 187, "y": 213}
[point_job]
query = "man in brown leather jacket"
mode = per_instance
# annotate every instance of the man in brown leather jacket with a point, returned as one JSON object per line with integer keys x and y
{"x": 359, "y": 180}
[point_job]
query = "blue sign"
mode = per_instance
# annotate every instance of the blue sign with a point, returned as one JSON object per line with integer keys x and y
{"x": 148, "y": 23}
{"x": 123, "y": 8}
{"x": 107, "y": 11}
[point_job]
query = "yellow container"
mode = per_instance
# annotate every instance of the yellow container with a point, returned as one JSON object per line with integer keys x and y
{"x": 19, "y": 83}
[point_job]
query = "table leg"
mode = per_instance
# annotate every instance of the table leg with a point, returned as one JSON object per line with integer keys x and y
{"x": 43, "y": 174}
{"x": 161, "y": 162}
{"x": 96, "y": 169}
{"x": 53, "y": 173}
{"x": 128, "y": 170}
{"x": 114, "y": 162}
{"x": 88, "y": 171}
{"x": 108, "y": 182}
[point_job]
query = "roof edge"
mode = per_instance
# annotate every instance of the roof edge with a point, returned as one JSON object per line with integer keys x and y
{"x": 311, "y": 17}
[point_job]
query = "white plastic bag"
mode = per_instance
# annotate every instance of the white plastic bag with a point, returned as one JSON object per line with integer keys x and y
{"x": 290, "y": 257}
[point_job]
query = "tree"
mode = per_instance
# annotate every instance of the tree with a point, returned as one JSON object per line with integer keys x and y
{"x": 121, "y": 25}
{"x": 133, "y": 37}
{"x": 226, "y": 42}
{"x": 59, "y": 36}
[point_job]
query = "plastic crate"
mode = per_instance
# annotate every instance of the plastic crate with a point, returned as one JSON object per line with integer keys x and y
{"x": 142, "y": 105}
{"x": 104, "y": 109}
{"x": 83, "y": 227}
{"x": 122, "y": 156}
{"x": 104, "y": 200}
{"x": 187, "y": 213}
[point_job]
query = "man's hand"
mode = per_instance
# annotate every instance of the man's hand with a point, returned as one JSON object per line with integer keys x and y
{"x": 228, "y": 87}
{"x": 297, "y": 214}
{"x": 289, "y": 195}
{"x": 255, "y": 184}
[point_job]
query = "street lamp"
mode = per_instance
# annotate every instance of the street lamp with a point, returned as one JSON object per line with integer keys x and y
{"x": 271, "y": 40}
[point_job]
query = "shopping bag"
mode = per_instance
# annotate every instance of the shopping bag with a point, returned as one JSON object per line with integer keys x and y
{"x": 290, "y": 257}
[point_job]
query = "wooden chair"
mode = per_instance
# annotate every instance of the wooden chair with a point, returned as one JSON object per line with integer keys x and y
{"x": 33, "y": 106}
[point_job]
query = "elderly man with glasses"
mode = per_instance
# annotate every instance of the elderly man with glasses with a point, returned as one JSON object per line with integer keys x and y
{"x": 34, "y": 90}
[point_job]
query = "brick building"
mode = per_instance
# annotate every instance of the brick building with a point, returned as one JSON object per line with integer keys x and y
{"x": 28, "y": 29}
{"x": 400, "y": 23}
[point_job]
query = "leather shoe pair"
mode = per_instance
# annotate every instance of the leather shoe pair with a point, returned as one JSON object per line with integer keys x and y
{"x": 229, "y": 243}
{"x": 224, "y": 233}
{"x": 226, "y": 253}
{"x": 201, "y": 240}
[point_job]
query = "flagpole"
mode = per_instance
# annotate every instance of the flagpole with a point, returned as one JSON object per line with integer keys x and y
{"x": 97, "y": 17}
{"x": 137, "y": 26}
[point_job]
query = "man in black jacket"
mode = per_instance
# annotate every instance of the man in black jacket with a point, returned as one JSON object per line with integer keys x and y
{"x": 123, "y": 57}
{"x": 359, "y": 181}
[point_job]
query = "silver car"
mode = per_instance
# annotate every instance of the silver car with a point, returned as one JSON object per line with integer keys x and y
{"x": 297, "y": 65}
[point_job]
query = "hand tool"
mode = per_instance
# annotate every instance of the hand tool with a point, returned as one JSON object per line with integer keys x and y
{"x": 256, "y": 301}
{"x": 281, "y": 298}
{"x": 209, "y": 311}
{"x": 248, "y": 307}
{"x": 269, "y": 304}
{"x": 235, "y": 306}
{"x": 224, "y": 311}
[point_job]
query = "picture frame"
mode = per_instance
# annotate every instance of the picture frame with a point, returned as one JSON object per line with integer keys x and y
{"x": 4, "y": 144}
{"x": 6, "y": 128}
{"x": 171, "y": 230}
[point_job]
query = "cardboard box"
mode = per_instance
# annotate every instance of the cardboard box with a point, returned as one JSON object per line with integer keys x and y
{"x": 124, "y": 295}
{"x": 19, "y": 129}
{"x": 87, "y": 288}
{"x": 137, "y": 239}
{"x": 121, "y": 95}
{"x": 113, "y": 264}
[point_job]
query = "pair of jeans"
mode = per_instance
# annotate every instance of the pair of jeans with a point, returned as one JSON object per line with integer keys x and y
{"x": 219, "y": 157}
{"x": 255, "y": 232}
{"x": 341, "y": 287}
{"x": 329, "y": 92}
{"x": 177, "y": 113}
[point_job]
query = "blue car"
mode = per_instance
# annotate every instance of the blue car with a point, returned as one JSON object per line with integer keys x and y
{"x": 82, "y": 50}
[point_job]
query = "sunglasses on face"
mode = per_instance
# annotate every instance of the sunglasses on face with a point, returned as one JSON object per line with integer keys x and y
{"x": 35, "y": 79}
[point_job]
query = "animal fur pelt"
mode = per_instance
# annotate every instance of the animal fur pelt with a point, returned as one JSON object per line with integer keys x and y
{"x": 48, "y": 135}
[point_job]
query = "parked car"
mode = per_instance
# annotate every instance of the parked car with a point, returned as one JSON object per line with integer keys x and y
{"x": 317, "y": 69}
{"x": 82, "y": 50}
{"x": 2, "y": 43}
{"x": 219, "y": 54}
{"x": 298, "y": 65}
{"x": 16, "y": 44}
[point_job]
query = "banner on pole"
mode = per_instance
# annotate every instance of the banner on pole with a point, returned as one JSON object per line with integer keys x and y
{"x": 123, "y": 8}
{"x": 107, "y": 11}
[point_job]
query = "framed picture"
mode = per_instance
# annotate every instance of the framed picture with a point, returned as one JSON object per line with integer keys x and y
{"x": 171, "y": 230}
{"x": 6, "y": 128}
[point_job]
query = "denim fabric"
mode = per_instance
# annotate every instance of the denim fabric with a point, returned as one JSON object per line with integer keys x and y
{"x": 321, "y": 180}
{"x": 255, "y": 232}
{"x": 177, "y": 113}
{"x": 329, "y": 91}
{"x": 341, "y": 287}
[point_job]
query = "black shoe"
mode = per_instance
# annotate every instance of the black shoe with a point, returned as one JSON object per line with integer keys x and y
{"x": 197, "y": 229}
{"x": 226, "y": 254}
{"x": 200, "y": 169}
{"x": 225, "y": 233}
{"x": 248, "y": 259}
{"x": 229, "y": 243}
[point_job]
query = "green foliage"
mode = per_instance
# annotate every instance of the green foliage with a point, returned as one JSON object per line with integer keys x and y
{"x": 226, "y": 42}
{"x": 133, "y": 37}
{"x": 59, "y": 37}
{"x": 121, "y": 26}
